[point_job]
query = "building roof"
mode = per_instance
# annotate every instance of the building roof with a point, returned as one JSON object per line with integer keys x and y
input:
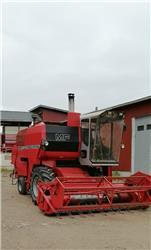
{"x": 147, "y": 98}
{"x": 96, "y": 112}
{"x": 92, "y": 114}
{"x": 47, "y": 108}
{"x": 25, "y": 117}
{"x": 15, "y": 116}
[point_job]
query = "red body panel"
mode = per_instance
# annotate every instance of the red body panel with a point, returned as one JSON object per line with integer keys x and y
{"x": 28, "y": 151}
{"x": 71, "y": 172}
{"x": 57, "y": 155}
{"x": 73, "y": 119}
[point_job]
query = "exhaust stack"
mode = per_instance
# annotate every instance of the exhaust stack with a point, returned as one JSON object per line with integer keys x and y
{"x": 71, "y": 102}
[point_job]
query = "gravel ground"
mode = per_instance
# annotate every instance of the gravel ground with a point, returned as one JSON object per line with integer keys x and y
{"x": 25, "y": 227}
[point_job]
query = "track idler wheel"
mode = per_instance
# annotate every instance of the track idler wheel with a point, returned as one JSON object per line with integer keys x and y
{"x": 43, "y": 174}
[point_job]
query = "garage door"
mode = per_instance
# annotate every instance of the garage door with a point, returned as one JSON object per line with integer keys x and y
{"x": 142, "y": 145}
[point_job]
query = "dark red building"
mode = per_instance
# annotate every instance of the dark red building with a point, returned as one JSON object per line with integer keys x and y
{"x": 136, "y": 152}
{"x": 50, "y": 114}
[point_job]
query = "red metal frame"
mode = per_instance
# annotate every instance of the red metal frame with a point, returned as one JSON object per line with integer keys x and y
{"x": 69, "y": 194}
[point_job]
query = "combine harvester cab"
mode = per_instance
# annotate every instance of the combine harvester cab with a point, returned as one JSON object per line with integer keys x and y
{"x": 67, "y": 167}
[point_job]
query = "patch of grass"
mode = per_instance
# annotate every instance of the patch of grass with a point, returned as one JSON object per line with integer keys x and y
{"x": 116, "y": 174}
{"x": 6, "y": 169}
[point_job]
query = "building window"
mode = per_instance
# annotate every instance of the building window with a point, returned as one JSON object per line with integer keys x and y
{"x": 140, "y": 128}
{"x": 148, "y": 126}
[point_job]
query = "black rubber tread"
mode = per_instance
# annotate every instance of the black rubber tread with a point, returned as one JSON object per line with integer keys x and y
{"x": 41, "y": 173}
{"x": 21, "y": 185}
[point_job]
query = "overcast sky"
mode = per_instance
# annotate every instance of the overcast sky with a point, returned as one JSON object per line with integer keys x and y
{"x": 99, "y": 51}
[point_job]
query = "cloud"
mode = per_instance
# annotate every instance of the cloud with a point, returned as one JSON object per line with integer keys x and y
{"x": 99, "y": 51}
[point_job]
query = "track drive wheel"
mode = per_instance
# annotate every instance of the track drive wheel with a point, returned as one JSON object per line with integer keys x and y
{"x": 21, "y": 185}
{"x": 40, "y": 173}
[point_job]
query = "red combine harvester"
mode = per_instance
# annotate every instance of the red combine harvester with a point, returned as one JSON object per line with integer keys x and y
{"x": 67, "y": 167}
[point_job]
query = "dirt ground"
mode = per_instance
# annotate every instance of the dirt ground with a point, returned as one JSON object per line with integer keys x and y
{"x": 25, "y": 227}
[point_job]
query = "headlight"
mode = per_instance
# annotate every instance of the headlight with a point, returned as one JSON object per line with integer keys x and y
{"x": 45, "y": 143}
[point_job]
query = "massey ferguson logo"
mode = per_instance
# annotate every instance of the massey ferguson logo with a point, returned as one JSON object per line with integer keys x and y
{"x": 62, "y": 137}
